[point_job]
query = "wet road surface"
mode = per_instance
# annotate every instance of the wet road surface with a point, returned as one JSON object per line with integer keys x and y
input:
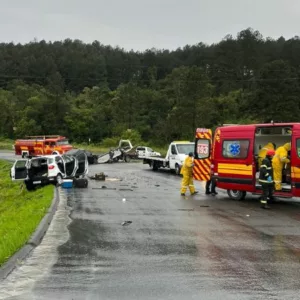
{"x": 175, "y": 248}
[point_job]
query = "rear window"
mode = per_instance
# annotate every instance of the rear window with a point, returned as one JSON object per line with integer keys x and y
{"x": 50, "y": 160}
{"x": 20, "y": 163}
{"x": 235, "y": 148}
{"x": 141, "y": 149}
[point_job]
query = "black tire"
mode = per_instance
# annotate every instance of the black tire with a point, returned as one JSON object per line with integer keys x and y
{"x": 236, "y": 195}
{"x": 154, "y": 166}
{"x": 29, "y": 185}
{"x": 81, "y": 183}
{"x": 127, "y": 158}
{"x": 177, "y": 169}
{"x": 59, "y": 179}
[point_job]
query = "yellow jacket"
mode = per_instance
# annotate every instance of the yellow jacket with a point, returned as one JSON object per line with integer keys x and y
{"x": 187, "y": 168}
{"x": 263, "y": 152}
{"x": 281, "y": 155}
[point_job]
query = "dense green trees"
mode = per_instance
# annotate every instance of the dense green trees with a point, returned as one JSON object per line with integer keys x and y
{"x": 95, "y": 91}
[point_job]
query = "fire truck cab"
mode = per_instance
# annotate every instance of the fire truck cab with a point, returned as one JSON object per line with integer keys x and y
{"x": 234, "y": 157}
{"x": 42, "y": 145}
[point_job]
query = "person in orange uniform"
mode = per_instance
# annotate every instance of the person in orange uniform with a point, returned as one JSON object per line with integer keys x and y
{"x": 187, "y": 172}
{"x": 279, "y": 160}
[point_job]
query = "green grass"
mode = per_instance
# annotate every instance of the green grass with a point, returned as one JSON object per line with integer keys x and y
{"x": 20, "y": 212}
{"x": 6, "y": 144}
{"x": 97, "y": 149}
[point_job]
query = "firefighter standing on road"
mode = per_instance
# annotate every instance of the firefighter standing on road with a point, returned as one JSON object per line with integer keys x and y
{"x": 187, "y": 172}
{"x": 266, "y": 179}
{"x": 211, "y": 183}
{"x": 279, "y": 160}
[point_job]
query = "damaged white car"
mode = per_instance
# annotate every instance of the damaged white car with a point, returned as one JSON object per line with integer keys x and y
{"x": 47, "y": 169}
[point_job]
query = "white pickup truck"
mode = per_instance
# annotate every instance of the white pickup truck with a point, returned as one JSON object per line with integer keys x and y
{"x": 177, "y": 152}
{"x": 143, "y": 151}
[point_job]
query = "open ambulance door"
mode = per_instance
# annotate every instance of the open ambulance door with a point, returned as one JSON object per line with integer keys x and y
{"x": 202, "y": 153}
{"x": 295, "y": 164}
{"x": 19, "y": 170}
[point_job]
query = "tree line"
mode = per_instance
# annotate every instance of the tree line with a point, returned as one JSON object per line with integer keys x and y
{"x": 92, "y": 91}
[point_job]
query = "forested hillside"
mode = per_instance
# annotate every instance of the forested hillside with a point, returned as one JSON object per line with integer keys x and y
{"x": 95, "y": 91}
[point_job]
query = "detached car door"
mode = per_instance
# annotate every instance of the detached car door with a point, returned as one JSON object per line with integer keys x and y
{"x": 71, "y": 165}
{"x": 19, "y": 170}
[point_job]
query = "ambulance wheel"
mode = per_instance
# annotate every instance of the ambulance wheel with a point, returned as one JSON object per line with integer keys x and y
{"x": 177, "y": 169}
{"x": 29, "y": 185}
{"x": 236, "y": 195}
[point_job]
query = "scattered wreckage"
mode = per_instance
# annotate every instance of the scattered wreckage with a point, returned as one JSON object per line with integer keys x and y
{"x": 126, "y": 152}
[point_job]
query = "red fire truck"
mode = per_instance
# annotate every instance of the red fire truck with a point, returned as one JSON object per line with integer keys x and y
{"x": 42, "y": 145}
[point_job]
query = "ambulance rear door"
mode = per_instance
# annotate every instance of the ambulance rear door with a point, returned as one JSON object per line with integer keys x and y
{"x": 202, "y": 161}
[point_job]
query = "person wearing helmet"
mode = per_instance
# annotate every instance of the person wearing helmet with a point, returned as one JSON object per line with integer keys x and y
{"x": 266, "y": 178}
{"x": 187, "y": 172}
{"x": 263, "y": 151}
{"x": 279, "y": 160}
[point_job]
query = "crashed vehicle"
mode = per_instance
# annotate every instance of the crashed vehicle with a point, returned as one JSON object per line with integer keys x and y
{"x": 92, "y": 158}
{"x": 42, "y": 170}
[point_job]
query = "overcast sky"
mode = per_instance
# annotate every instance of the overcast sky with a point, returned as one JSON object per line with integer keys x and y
{"x": 142, "y": 24}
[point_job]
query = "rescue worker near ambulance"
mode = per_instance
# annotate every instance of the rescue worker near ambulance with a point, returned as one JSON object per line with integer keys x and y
{"x": 263, "y": 152}
{"x": 187, "y": 172}
{"x": 266, "y": 179}
{"x": 279, "y": 160}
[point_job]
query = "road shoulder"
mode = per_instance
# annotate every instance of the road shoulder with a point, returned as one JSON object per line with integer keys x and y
{"x": 36, "y": 238}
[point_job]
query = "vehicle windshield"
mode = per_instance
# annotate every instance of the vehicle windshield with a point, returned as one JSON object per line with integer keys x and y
{"x": 185, "y": 148}
{"x": 62, "y": 142}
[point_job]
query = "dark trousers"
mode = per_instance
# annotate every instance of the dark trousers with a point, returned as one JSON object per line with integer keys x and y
{"x": 211, "y": 182}
{"x": 268, "y": 189}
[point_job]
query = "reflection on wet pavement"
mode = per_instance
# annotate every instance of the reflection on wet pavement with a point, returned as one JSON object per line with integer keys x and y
{"x": 174, "y": 248}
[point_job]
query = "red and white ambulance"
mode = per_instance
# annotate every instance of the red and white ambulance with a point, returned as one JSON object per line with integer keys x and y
{"x": 232, "y": 157}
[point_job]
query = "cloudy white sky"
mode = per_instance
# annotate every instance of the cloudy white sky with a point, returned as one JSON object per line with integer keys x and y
{"x": 142, "y": 24}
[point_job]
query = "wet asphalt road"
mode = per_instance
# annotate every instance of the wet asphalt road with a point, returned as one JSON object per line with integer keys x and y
{"x": 175, "y": 248}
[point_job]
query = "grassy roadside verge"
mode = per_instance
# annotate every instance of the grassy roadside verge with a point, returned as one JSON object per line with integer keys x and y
{"x": 20, "y": 212}
{"x": 6, "y": 144}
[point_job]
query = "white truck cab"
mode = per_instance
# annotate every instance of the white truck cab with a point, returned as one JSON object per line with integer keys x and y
{"x": 177, "y": 152}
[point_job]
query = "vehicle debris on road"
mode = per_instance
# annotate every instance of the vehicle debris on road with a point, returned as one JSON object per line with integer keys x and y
{"x": 126, "y": 223}
{"x": 99, "y": 176}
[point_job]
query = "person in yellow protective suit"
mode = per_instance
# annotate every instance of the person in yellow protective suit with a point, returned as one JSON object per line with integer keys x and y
{"x": 262, "y": 153}
{"x": 279, "y": 160}
{"x": 187, "y": 172}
